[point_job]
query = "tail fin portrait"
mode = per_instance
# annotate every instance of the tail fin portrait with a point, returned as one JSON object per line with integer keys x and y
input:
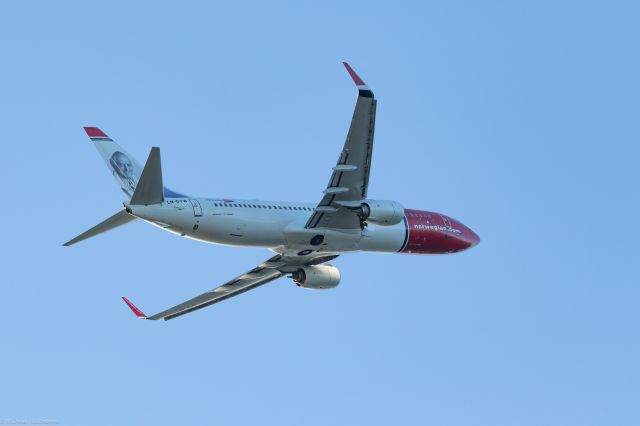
{"x": 142, "y": 186}
{"x": 124, "y": 168}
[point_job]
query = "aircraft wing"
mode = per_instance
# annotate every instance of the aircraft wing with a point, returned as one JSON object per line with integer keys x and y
{"x": 270, "y": 270}
{"x": 350, "y": 178}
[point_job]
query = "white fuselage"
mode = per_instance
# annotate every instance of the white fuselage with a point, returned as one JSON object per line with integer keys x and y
{"x": 279, "y": 226}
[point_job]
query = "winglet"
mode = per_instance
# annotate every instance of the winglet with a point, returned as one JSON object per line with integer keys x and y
{"x": 135, "y": 310}
{"x": 363, "y": 89}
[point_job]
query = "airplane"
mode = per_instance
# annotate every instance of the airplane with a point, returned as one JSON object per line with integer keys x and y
{"x": 304, "y": 237}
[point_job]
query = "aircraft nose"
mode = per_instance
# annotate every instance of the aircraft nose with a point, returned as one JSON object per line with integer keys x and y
{"x": 471, "y": 237}
{"x": 467, "y": 236}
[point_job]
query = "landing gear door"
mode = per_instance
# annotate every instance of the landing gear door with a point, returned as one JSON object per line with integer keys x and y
{"x": 299, "y": 238}
{"x": 197, "y": 208}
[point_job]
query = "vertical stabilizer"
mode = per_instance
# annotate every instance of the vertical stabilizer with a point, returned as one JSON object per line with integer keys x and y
{"x": 124, "y": 168}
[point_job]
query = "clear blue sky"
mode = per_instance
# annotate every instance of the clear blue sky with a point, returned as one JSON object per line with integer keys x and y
{"x": 520, "y": 120}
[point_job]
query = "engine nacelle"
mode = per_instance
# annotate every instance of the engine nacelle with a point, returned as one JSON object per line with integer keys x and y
{"x": 318, "y": 277}
{"x": 382, "y": 212}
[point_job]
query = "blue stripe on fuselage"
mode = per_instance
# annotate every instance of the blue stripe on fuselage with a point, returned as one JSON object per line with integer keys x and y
{"x": 171, "y": 194}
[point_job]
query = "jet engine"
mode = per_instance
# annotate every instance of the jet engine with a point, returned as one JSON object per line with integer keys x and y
{"x": 318, "y": 277}
{"x": 383, "y": 212}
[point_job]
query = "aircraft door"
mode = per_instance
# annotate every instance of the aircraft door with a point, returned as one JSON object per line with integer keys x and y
{"x": 197, "y": 208}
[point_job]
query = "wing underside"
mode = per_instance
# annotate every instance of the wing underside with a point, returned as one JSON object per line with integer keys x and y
{"x": 272, "y": 269}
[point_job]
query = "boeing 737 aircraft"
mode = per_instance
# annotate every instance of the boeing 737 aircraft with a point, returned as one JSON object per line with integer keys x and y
{"x": 303, "y": 236}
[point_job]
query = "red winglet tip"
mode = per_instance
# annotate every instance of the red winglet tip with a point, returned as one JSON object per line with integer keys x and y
{"x": 356, "y": 79}
{"x": 94, "y": 132}
{"x": 135, "y": 310}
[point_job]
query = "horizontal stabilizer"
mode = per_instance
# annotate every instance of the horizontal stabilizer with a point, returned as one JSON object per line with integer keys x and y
{"x": 118, "y": 219}
{"x": 149, "y": 189}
